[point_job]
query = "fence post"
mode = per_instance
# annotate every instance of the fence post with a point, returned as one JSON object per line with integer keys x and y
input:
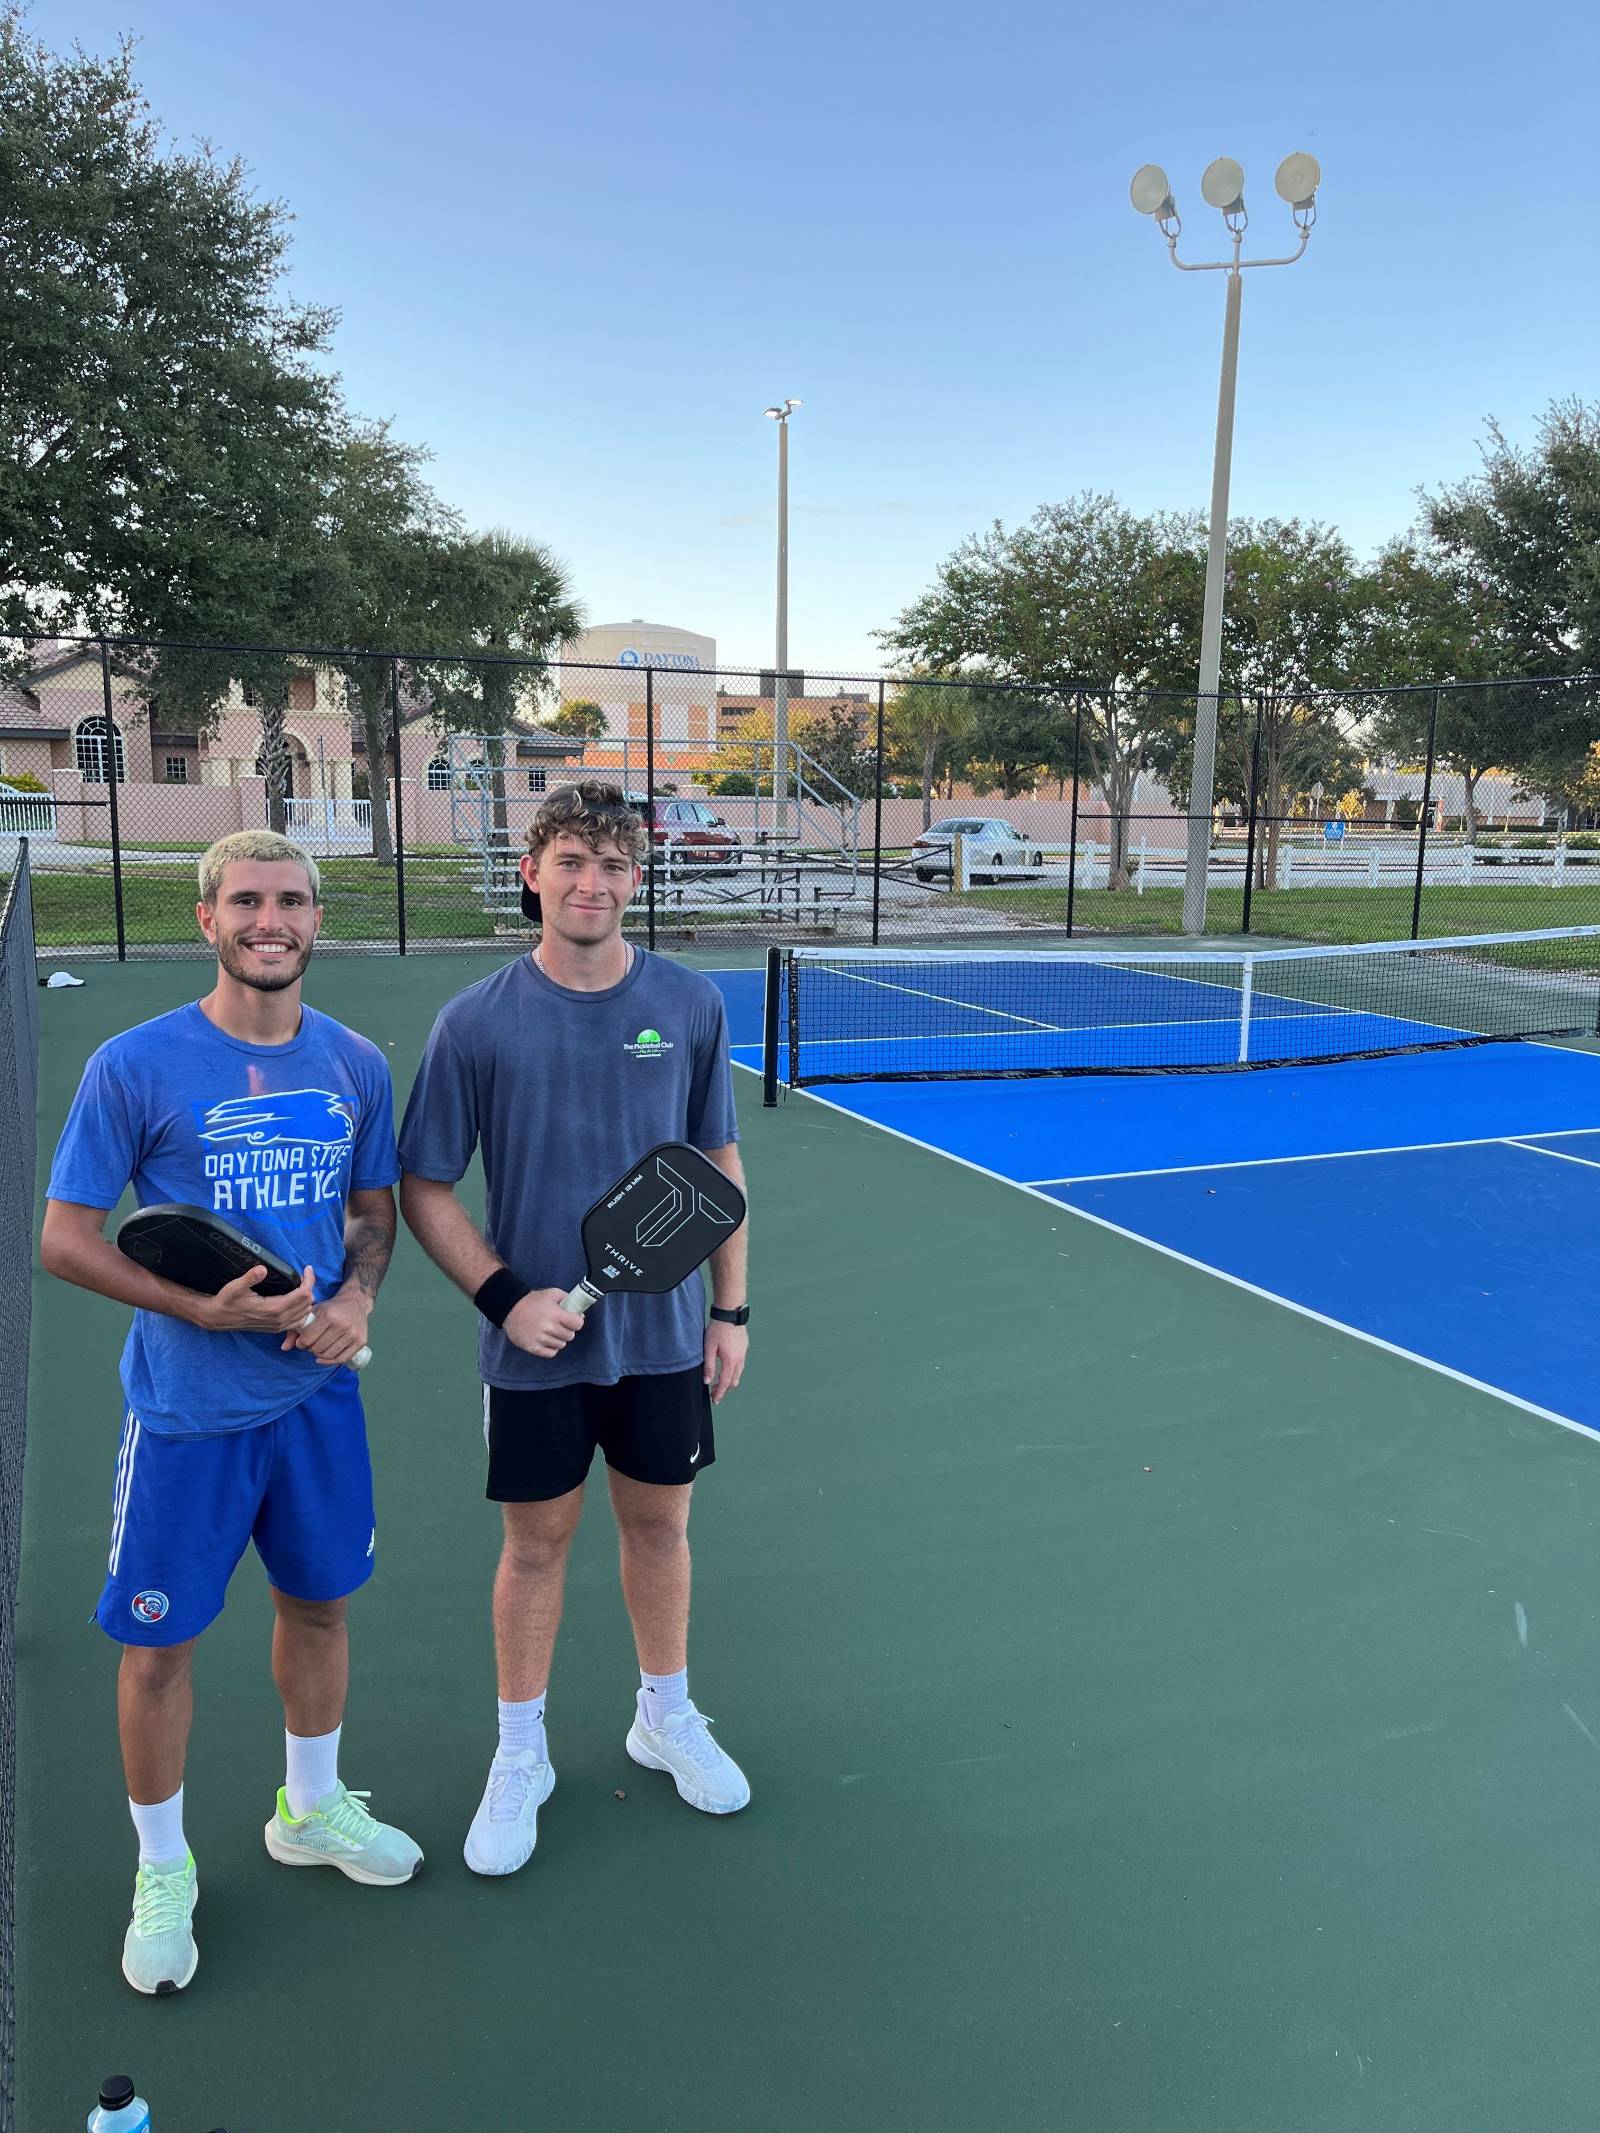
{"x": 399, "y": 819}
{"x": 111, "y": 794}
{"x": 877, "y": 823}
{"x": 769, "y": 1029}
{"x": 1072, "y": 856}
{"x": 650, "y": 797}
{"x": 1422, "y": 819}
{"x": 1250, "y": 832}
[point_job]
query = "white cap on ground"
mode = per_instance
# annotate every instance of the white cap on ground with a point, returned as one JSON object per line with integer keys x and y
{"x": 59, "y": 978}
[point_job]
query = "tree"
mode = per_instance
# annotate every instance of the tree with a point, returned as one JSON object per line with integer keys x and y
{"x": 387, "y": 561}
{"x": 926, "y": 726}
{"x": 502, "y": 605}
{"x": 159, "y": 401}
{"x": 833, "y": 740}
{"x": 1429, "y": 622}
{"x": 1014, "y": 737}
{"x": 580, "y": 716}
{"x": 1526, "y": 534}
{"x": 1290, "y": 636}
{"x": 1086, "y": 599}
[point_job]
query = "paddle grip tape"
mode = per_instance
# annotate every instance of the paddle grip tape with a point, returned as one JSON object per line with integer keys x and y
{"x": 500, "y": 1295}
{"x": 580, "y": 1298}
{"x": 362, "y": 1356}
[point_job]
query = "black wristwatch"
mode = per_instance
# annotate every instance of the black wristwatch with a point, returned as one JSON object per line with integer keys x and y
{"x": 741, "y": 1317}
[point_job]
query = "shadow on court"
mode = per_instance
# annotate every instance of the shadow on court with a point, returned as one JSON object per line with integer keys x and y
{"x": 1165, "y": 1714}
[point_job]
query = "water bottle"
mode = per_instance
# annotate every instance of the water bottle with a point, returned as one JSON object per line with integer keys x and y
{"x": 119, "y": 2110}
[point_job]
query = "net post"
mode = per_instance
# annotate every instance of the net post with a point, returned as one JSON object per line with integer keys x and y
{"x": 399, "y": 825}
{"x": 1422, "y": 819}
{"x": 1246, "y": 987}
{"x": 111, "y": 795}
{"x": 650, "y": 799}
{"x": 877, "y": 818}
{"x": 958, "y": 862}
{"x": 769, "y": 1029}
{"x": 793, "y": 973}
{"x": 1072, "y": 855}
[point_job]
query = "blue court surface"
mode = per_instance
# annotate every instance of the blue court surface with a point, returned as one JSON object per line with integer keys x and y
{"x": 1444, "y": 1204}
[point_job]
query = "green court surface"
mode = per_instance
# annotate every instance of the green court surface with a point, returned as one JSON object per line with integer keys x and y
{"x": 1166, "y": 1714}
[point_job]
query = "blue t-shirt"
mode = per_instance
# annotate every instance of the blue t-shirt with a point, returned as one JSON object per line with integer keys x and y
{"x": 270, "y": 1136}
{"x": 565, "y": 1091}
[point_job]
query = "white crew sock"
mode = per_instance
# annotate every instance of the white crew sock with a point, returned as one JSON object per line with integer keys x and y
{"x": 161, "y": 1838}
{"x": 522, "y": 1727}
{"x": 313, "y": 1768}
{"x": 663, "y": 1694}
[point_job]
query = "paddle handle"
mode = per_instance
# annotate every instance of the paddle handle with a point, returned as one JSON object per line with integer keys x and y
{"x": 580, "y": 1298}
{"x": 362, "y": 1356}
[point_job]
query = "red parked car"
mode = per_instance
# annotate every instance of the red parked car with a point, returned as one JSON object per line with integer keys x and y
{"x": 687, "y": 833}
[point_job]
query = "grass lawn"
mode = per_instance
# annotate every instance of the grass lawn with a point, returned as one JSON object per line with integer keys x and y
{"x": 1345, "y": 913}
{"x": 443, "y": 903}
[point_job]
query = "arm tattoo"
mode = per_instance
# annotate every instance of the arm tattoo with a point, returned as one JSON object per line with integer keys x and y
{"x": 368, "y": 1241}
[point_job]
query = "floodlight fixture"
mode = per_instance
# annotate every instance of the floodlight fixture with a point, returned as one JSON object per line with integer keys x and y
{"x": 781, "y": 414}
{"x": 1150, "y": 192}
{"x": 1297, "y": 180}
{"x": 1222, "y": 187}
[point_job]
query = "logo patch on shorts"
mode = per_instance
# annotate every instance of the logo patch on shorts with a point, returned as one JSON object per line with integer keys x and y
{"x": 150, "y": 1606}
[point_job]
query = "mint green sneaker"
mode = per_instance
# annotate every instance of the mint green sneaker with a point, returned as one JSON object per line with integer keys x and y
{"x": 340, "y": 1832}
{"x": 159, "y": 1954}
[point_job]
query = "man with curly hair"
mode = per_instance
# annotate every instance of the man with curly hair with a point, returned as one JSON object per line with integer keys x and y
{"x": 564, "y": 1068}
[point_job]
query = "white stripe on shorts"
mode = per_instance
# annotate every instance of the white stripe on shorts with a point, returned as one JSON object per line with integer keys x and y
{"x": 124, "y": 1488}
{"x": 486, "y": 1418}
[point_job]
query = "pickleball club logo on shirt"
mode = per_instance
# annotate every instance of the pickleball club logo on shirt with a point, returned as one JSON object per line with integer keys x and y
{"x": 649, "y": 1044}
{"x": 277, "y": 1152}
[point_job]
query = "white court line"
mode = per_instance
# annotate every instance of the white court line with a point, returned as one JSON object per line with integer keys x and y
{"x": 1235, "y": 1281}
{"x": 1329, "y": 1155}
{"x": 1560, "y": 1154}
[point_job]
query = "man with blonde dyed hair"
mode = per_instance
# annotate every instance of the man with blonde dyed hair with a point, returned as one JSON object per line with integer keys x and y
{"x": 241, "y": 1421}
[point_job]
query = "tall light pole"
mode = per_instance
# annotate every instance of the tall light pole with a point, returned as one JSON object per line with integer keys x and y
{"x": 1222, "y": 187}
{"x": 780, "y": 678}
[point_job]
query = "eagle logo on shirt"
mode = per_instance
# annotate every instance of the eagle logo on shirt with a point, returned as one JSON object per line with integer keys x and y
{"x": 315, "y": 1117}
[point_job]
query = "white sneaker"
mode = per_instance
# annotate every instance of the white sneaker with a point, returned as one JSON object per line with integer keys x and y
{"x": 682, "y": 1746}
{"x": 506, "y": 1827}
{"x": 159, "y": 1954}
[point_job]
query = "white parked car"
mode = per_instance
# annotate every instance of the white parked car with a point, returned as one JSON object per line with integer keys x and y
{"x": 991, "y": 842}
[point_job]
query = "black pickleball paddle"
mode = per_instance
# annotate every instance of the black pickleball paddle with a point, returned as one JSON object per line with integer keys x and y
{"x": 655, "y": 1225}
{"x": 199, "y": 1251}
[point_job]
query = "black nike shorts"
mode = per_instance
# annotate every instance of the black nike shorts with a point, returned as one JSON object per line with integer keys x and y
{"x": 542, "y": 1444}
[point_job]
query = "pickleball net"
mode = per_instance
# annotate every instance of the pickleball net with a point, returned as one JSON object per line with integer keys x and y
{"x": 841, "y": 1014}
{"x": 19, "y": 1079}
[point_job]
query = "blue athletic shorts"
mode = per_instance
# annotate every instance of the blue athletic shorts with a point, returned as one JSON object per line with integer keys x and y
{"x": 185, "y": 1508}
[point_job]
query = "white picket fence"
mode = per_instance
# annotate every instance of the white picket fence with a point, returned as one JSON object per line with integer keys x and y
{"x": 28, "y": 814}
{"x": 1373, "y": 866}
{"x": 325, "y": 826}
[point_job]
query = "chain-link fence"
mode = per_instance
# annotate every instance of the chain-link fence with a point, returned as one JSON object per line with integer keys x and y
{"x": 19, "y": 1043}
{"x": 789, "y": 808}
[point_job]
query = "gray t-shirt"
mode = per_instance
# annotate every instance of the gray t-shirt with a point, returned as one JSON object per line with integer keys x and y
{"x": 565, "y": 1091}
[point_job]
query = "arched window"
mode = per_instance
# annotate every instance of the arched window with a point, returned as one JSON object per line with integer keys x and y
{"x": 439, "y": 775}
{"x": 94, "y": 742}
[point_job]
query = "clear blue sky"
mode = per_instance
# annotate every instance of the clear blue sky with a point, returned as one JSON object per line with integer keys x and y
{"x": 577, "y": 250}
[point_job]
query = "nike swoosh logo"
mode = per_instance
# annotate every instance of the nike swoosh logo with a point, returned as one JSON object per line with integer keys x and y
{"x": 694, "y": 1455}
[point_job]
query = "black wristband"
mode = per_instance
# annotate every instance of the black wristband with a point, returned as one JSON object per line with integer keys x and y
{"x": 500, "y": 1295}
